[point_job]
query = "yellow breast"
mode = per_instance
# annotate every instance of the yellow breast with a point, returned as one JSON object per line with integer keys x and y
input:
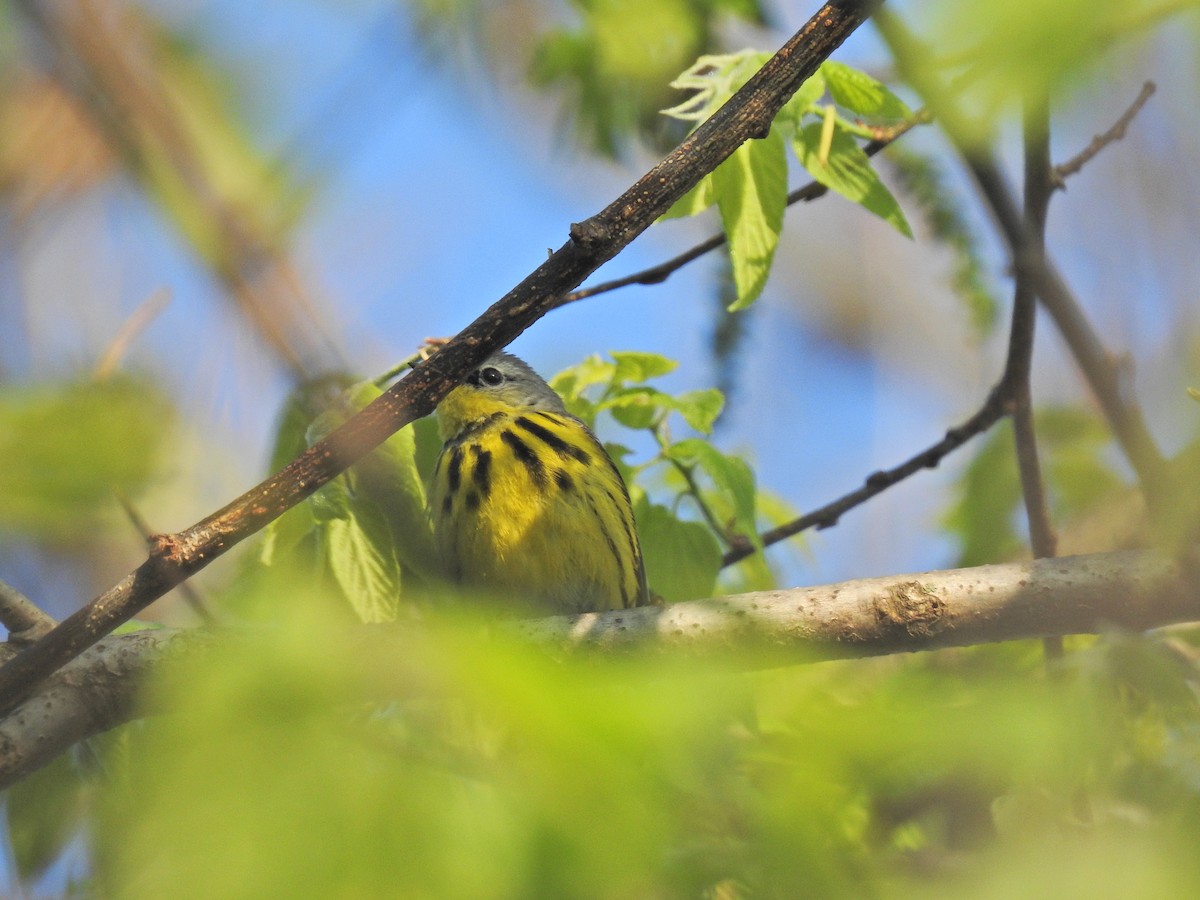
{"x": 529, "y": 504}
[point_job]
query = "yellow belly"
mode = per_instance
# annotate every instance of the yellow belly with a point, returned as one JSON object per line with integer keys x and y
{"x": 531, "y": 506}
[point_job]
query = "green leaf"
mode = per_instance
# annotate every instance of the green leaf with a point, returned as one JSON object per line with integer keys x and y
{"x": 751, "y": 191}
{"x": 640, "y": 367}
{"x": 700, "y": 408}
{"x": 713, "y": 79}
{"x": 731, "y": 476}
{"x": 641, "y": 407}
{"x": 848, "y": 171}
{"x": 390, "y": 478}
{"x": 860, "y": 93}
{"x": 362, "y": 558}
{"x": 570, "y": 384}
{"x": 987, "y": 495}
{"x": 359, "y": 533}
{"x": 68, "y": 449}
{"x": 289, "y": 538}
{"x": 43, "y": 812}
{"x": 304, "y": 404}
{"x": 387, "y": 480}
{"x": 1016, "y": 55}
{"x": 1193, "y": 393}
{"x": 636, "y": 407}
{"x": 803, "y": 100}
{"x": 682, "y": 558}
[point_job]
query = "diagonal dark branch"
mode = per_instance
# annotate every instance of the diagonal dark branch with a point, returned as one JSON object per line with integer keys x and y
{"x": 175, "y": 557}
{"x": 190, "y": 595}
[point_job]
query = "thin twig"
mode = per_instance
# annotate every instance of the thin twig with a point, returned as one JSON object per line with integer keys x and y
{"x": 147, "y": 311}
{"x": 189, "y": 593}
{"x": 1038, "y": 188}
{"x": 806, "y": 193}
{"x": 1065, "y": 170}
{"x": 1099, "y": 367}
{"x": 22, "y": 617}
{"x": 994, "y": 408}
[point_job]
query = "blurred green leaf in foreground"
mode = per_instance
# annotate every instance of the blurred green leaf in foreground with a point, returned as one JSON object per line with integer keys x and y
{"x": 317, "y": 762}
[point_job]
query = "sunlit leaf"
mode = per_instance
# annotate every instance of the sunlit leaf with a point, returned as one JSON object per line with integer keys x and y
{"x": 730, "y": 475}
{"x": 860, "y": 93}
{"x": 682, "y": 558}
{"x": 848, "y": 171}
{"x": 751, "y": 193}
{"x": 361, "y": 551}
{"x": 640, "y": 367}
{"x": 801, "y": 102}
{"x": 700, "y": 408}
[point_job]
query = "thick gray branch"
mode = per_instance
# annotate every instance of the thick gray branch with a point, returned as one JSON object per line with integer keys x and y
{"x": 869, "y": 617}
{"x": 875, "y": 616}
{"x": 94, "y": 692}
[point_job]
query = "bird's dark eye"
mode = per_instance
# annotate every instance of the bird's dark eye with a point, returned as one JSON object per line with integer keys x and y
{"x": 491, "y": 376}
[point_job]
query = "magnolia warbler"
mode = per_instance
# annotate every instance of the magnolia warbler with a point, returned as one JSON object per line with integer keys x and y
{"x": 526, "y": 501}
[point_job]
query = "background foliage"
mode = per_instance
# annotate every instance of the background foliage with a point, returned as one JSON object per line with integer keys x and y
{"x": 153, "y": 144}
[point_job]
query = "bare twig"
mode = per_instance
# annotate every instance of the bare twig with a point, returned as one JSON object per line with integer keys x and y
{"x": 22, "y": 617}
{"x": 804, "y": 194}
{"x": 1097, "y": 364}
{"x": 994, "y": 408}
{"x": 1038, "y": 188}
{"x": 190, "y": 595}
{"x": 147, "y": 311}
{"x": 1065, "y": 170}
{"x": 175, "y": 557}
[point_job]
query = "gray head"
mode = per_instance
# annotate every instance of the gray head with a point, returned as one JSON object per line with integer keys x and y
{"x": 502, "y": 384}
{"x": 510, "y": 381}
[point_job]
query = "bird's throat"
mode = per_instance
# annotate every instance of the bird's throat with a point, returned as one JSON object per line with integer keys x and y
{"x": 464, "y": 408}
